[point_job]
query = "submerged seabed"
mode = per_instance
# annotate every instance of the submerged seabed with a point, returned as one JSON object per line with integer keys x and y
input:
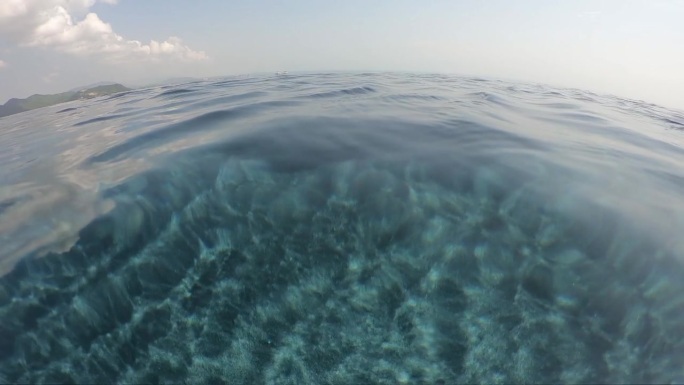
{"x": 253, "y": 262}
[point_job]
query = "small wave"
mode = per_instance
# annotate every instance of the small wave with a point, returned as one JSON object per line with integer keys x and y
{"x": 560, "y": 106}
{"x": 410, "y": 97}
{"x": 98, "y": 119}
{"x": 489, "y": 97}
{"x": 4, "y": 205}
{"x": 176, "y": 92}
{"x": 676, "y": 124}
{"x": 67, "y": 110}
{"x": 349, "y": 91}
{"x": 584, "y": 117}
{"x": 121, "y": 94}
{"x": 238, "y": 97}
{"x": 207, "y": 121}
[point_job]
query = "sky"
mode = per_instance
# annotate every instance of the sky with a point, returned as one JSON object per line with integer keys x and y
{"x": 629, "y": 48}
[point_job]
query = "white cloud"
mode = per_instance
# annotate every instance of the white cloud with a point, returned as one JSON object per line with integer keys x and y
{"x": 51, "y": 23}
{"x": 2, "y": 64}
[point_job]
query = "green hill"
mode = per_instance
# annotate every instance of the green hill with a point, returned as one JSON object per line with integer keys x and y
{"x": 15, "y": 106}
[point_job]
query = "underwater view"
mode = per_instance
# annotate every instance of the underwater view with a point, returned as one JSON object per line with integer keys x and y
{"x": 343, "y": 228}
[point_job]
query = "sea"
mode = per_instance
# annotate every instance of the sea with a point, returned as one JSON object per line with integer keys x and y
{"x": 343, "y": 228}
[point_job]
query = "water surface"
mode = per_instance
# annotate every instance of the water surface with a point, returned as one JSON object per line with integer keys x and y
{"x": 343, "y": 228}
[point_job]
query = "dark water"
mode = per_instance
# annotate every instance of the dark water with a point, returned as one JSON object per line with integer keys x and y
{"x": 339, "y": 229}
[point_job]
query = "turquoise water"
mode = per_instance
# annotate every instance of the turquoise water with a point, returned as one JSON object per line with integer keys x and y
{"x": 343, "y": 228}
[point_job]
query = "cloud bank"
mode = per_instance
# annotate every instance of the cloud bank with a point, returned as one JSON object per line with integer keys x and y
{"x": 54, "y": 24}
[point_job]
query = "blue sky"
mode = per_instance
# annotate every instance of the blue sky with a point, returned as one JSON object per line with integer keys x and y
{"x": 631, "y": 48}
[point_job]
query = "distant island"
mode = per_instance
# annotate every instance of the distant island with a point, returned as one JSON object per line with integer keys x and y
{"x": 15, "y": 106}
